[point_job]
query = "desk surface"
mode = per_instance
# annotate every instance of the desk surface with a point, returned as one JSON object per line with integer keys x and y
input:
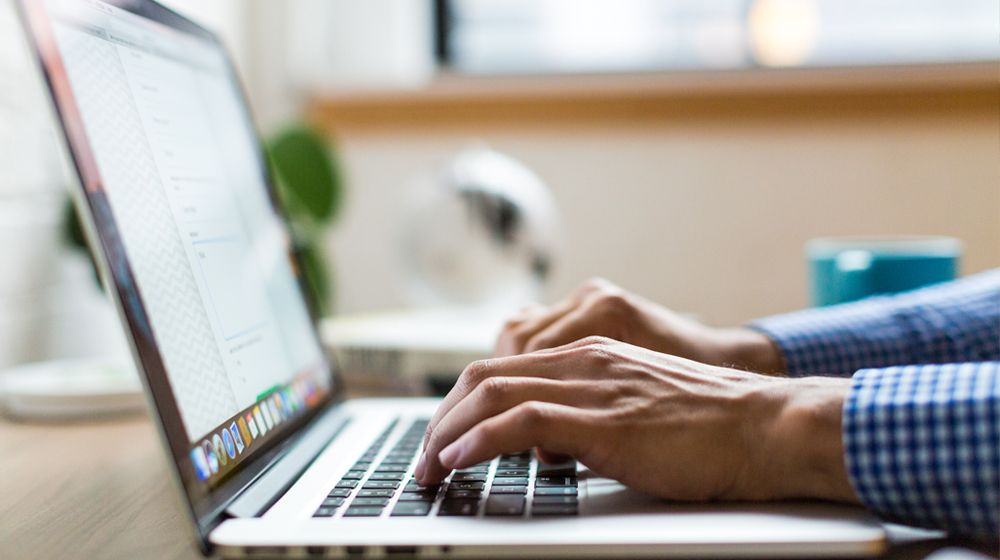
{"x": 101, "y": 490}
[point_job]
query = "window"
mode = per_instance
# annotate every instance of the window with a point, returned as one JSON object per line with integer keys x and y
{"x": 590, "y": 36}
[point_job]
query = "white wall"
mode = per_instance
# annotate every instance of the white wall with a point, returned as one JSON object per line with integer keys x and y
{"x": 709, "y": 214}
{"x": 705, "y": 214}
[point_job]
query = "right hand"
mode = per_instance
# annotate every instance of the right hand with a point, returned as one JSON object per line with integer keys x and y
{"x": 670, "y": 427}
{"x": 600, "y": 308}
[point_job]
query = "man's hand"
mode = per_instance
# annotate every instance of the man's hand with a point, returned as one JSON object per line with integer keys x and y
{"x": 664, "y": 425}
{"x": 599, "y": 308}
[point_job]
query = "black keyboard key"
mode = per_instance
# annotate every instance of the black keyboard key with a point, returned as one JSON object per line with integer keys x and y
{"x": 354, "y": 475}
{"x": 378, "y": 484}
{"x": 476, "y": 469}
{"x": 467, "y": 486}
{"x": 333, "y": 502}
{"x": 414, "y": 486}
{"x": 509, "y": 490}
{"x": 514, "y": 463}
{"x": 463, "y": 494}
{"x": 387, "y": 476}
{"x": 363, "y": 512}
{"x": 555, "y": 491}
{"x": 325, "y": 512}
{"x": 512, "y": 472}
{"x": 508, "y": 504}
{"x": 416, "y": 497}
{"x": 553, "y": 509}
{"x": 555, "y": 481}
{"x": 339, "y": 493}
{"x": 361, "y": 466}
{"x": 384, "y": 493}
{"x": 525, "y": 453}
{"x": 347, "y": 484}
{"x": 384, "y": 468}
{"x": 400, "y": 455}
{"x": 459, "y": 507}
{"x": 558, "y": 469}
{"x": 411, "y": 509}
{"x": 554, "y": 500}
{"x": 510, "y": 481}
{"x": 359, "y": 501}
{"x": 468, "y": 477}
{"x": 394, "y": 461}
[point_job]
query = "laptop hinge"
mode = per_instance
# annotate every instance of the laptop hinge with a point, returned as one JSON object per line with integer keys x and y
{"x": 275, "y": 481}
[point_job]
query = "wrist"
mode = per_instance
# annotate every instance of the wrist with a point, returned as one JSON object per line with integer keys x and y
{"x": 751, "y": 350}
{"x": 801, "y": 453}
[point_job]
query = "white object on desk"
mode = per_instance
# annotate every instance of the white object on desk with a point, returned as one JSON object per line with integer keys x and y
{"x": 412, "y": 350}
{"x": 70, "y": 389}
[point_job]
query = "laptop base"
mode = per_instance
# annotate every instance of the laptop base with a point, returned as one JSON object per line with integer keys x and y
{"x": 613, "y": 521}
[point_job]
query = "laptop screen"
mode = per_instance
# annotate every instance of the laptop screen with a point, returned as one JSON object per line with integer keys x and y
{"x": 199, "y": 255}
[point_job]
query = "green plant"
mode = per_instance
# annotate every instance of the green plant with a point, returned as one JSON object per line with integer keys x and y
{"x": 310, "y": 190}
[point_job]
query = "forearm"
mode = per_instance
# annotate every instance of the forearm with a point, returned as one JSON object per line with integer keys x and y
{"x": 955, "y": 322}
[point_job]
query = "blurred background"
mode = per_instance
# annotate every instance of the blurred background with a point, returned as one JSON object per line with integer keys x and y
{"x": 688, "y": 148}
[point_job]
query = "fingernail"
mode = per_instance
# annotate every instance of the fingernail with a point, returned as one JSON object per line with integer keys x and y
{"x": 450, "y": 455}
{"x": 418, "y": 472}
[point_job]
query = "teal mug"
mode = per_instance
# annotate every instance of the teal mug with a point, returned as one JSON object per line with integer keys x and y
{"x": 844, "y": 269}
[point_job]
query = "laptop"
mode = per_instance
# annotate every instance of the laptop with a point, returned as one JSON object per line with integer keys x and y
{"x": 269, "y": 457}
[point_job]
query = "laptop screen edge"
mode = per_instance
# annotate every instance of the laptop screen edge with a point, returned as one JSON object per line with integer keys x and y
{"x": 207, "y": 509}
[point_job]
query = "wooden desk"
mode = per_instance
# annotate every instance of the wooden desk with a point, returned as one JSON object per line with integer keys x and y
{"x": 95, "y": 490}
{"x": 101, "y": 490}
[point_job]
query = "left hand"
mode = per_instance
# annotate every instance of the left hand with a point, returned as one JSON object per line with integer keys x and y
{"x": 664, "y": 425}
{"x": 600, "y": 308}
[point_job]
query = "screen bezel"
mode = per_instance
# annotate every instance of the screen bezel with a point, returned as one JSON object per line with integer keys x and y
{"x": 207, "y": 504}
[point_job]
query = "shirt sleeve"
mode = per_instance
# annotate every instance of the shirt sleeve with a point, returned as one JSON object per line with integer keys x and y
{"x": 947, "y": 323}
{"x": 922, "y": 445}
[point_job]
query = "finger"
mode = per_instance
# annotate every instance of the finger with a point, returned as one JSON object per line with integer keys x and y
{"x": 551, "y": 458}
{"x": 556, "y": 363}
{"x": 475, "y": 373}
{"x": 549, "y": 363}
{"x": 602, "y": 313}
{"x": 518, "y": 331}
{"x": 558, "y": 428}
{"x": 496, "y": 396}
{"x": 573, "y": 326}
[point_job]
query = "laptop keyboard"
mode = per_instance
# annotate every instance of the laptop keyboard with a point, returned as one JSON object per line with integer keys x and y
{"x": 515, "y": 485}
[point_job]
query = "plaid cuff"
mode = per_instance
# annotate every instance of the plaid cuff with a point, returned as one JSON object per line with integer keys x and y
{"x": 838, "y": 340}
{"x": 922, "y": 445}
{"x": 947, "y": 323}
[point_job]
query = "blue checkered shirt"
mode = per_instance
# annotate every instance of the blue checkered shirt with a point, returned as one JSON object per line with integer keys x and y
{"x": 921, "y": 425}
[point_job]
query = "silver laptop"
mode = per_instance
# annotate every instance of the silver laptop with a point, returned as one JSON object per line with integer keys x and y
{"x": 270, "y": 459}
